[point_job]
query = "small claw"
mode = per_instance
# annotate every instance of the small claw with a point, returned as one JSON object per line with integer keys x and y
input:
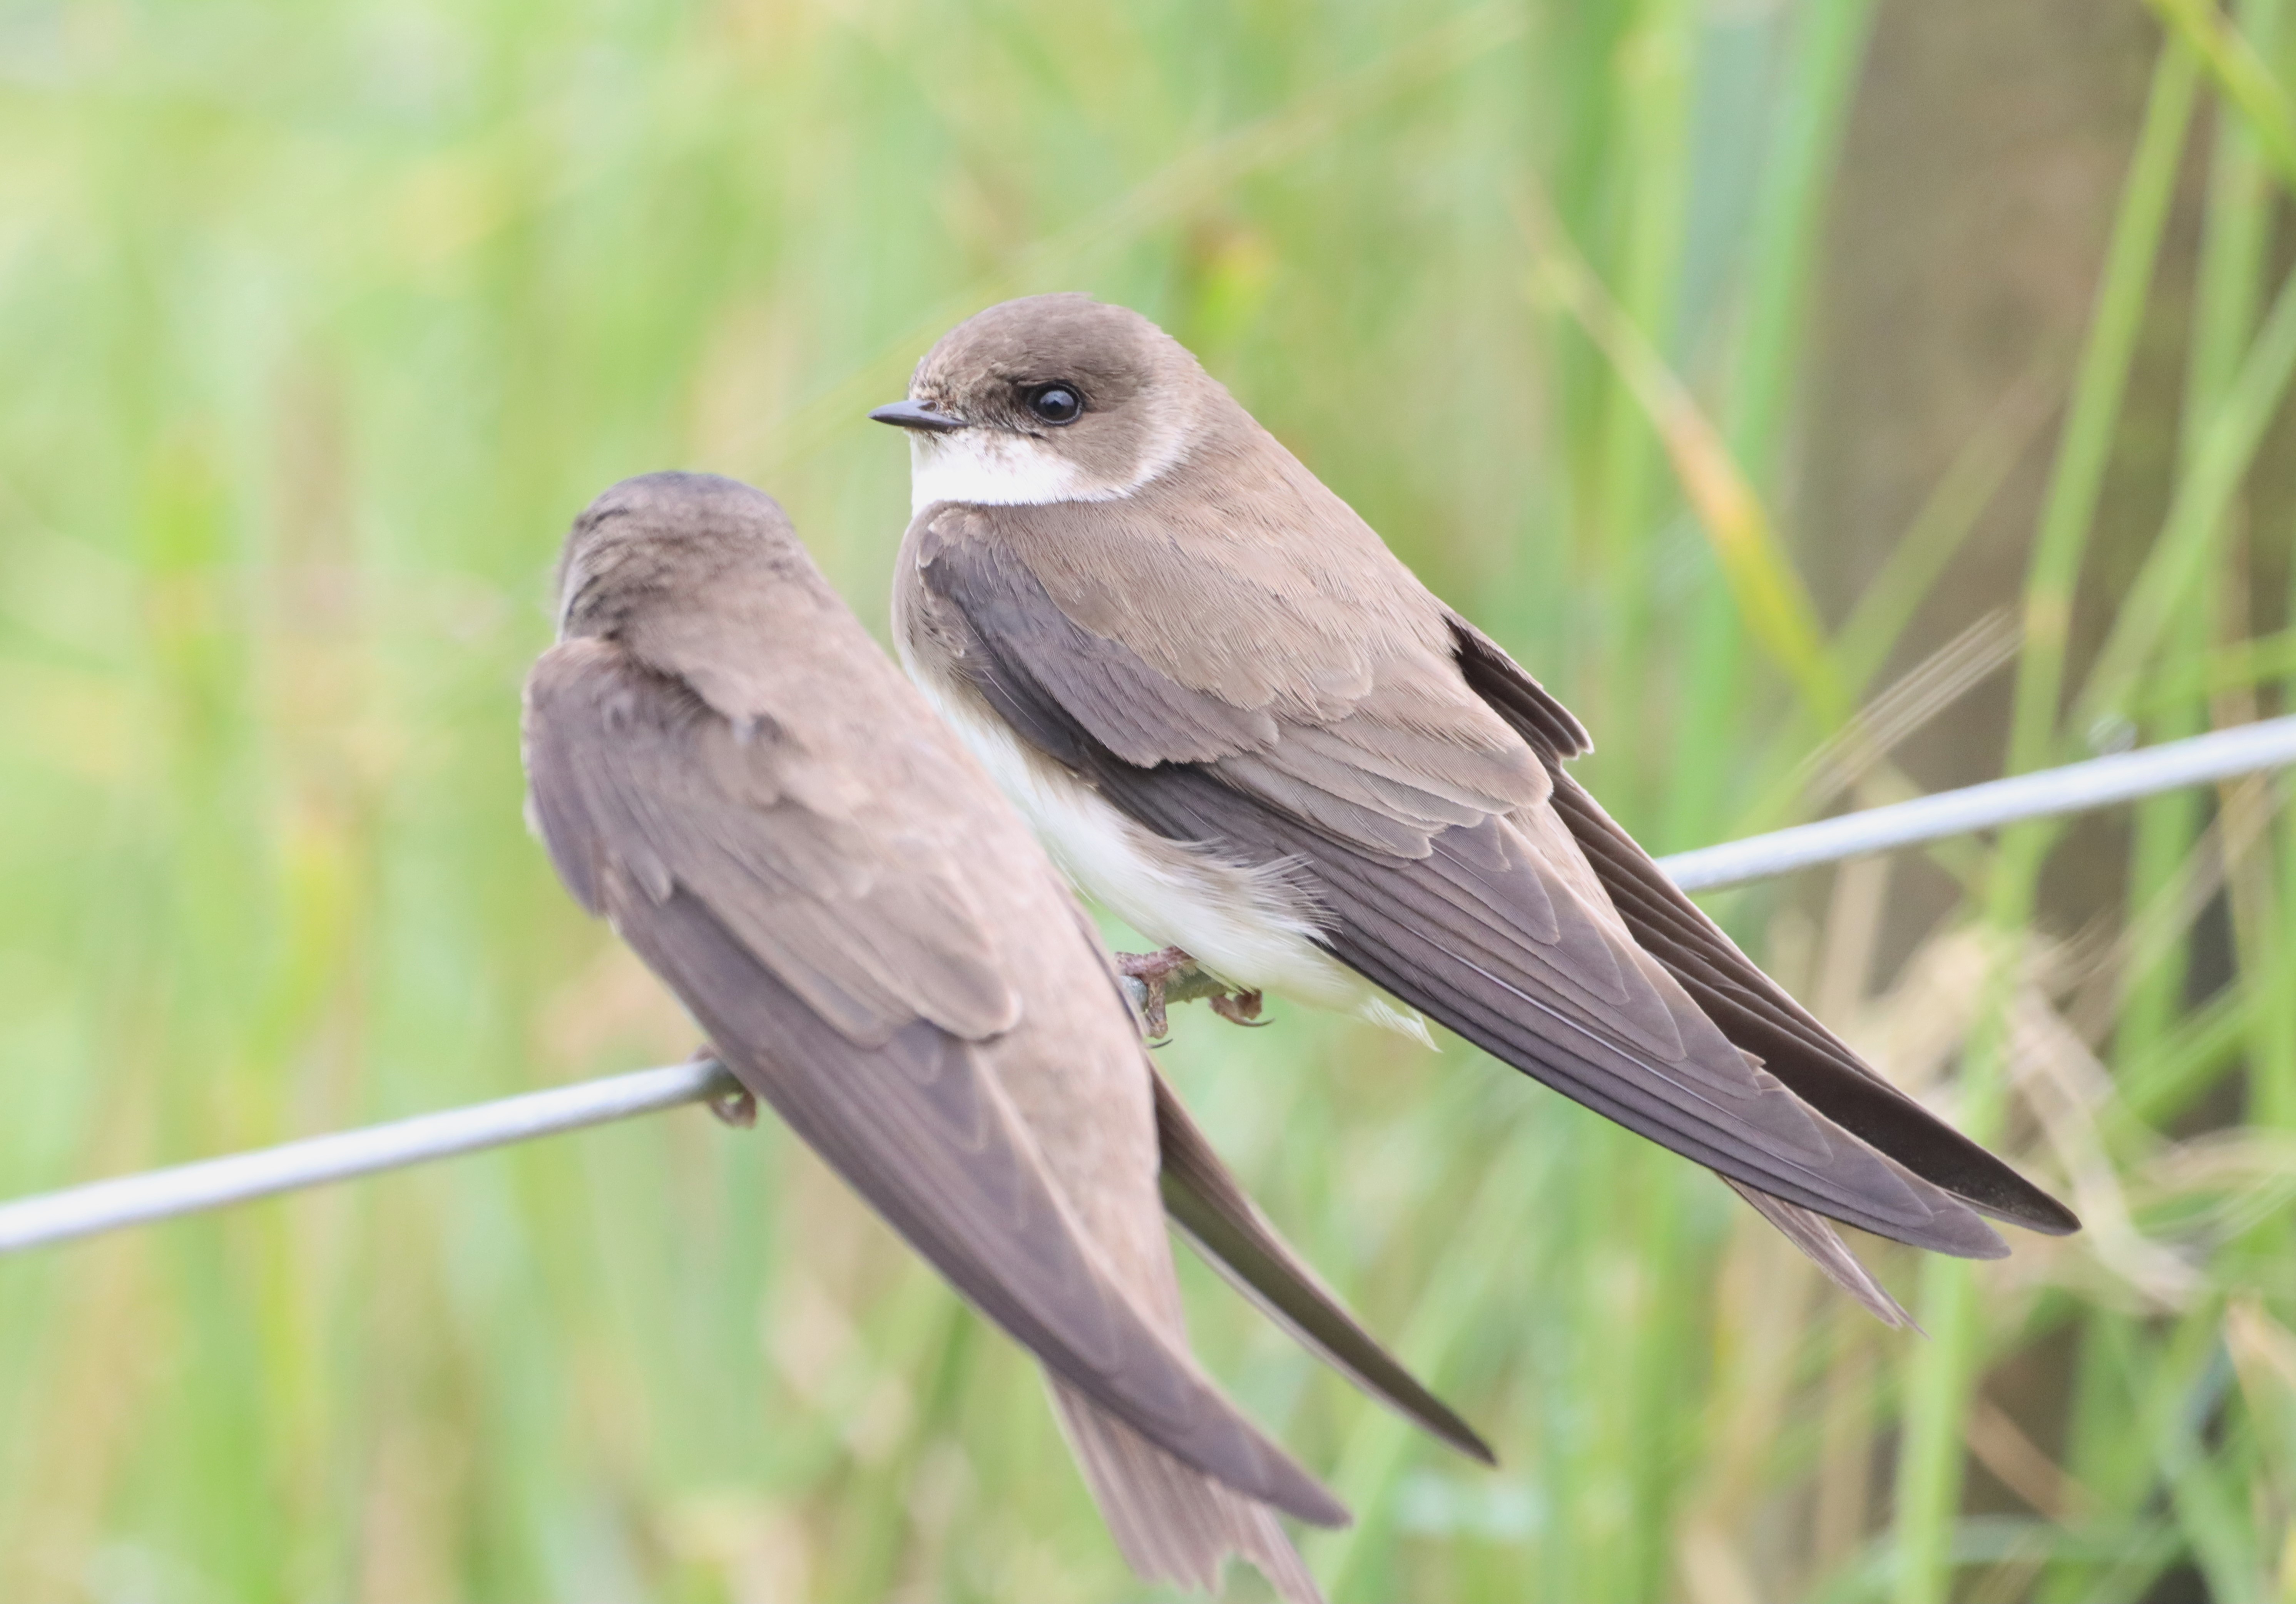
{"x": 1239, "y": 1008}
{"x": 731, "y": 1104}
{"x": 1155, "y": 1023}
{"x": 1150, "y": 972}
{"x": 1156, "y": 980}
{"x": 736, "y": 1107}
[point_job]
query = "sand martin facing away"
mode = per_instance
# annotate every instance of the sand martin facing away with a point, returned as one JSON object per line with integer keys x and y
{"x": 725, "y": 765}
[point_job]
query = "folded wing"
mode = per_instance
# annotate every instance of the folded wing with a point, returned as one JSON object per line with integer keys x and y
{"x": 1448, "y": 884}
{"x": 842, "y": 975}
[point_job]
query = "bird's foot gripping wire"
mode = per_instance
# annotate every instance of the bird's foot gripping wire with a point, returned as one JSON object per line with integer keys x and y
{"x": 729, "y": 1101}
{"x": 1154, "y": 980}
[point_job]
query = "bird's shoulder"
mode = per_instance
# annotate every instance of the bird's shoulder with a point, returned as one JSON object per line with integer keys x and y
{"x": 1340, "y": 691}
{"x": 854, "y": 869}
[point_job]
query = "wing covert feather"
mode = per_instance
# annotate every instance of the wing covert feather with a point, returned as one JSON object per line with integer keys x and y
{"x": 1402, "y": 756}
{"x": 871, "y": 924}
{"x": 1143, "y": 716}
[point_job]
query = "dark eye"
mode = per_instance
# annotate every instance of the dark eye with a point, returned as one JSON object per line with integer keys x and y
{"x": 1055, "y": 403}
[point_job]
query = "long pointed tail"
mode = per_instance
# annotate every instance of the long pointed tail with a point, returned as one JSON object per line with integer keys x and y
{"x": 1174, "y": 1522}
{"x": 1816, "y": 1237}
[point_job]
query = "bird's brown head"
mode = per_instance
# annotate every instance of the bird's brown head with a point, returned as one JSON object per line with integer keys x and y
{"x": 1051, "y": 398}
{"x": 672, "y": 540}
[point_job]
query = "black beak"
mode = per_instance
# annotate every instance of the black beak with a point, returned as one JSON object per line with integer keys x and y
{"x": 915, "y": 414}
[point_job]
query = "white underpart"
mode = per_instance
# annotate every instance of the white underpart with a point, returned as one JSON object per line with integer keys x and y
{"x": 1245, "y": 926}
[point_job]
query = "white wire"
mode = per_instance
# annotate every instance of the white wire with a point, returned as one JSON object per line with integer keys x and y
{"x": 2074, "y": 789}
{"x": 189, "y": 1188}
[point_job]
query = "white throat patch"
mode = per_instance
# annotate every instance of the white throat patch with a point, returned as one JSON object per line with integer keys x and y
{"x": 995, "y": 467}
{"x": 989, "y": 467}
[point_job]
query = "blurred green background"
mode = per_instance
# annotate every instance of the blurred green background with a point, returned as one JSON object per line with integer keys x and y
{"x": 1830, "y": 399}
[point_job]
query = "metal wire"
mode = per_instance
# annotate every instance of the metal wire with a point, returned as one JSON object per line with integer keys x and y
{"x": 188, "y": 1189}
{"x": 2074, "y": 788}
{"x": 102, "y": 1206}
